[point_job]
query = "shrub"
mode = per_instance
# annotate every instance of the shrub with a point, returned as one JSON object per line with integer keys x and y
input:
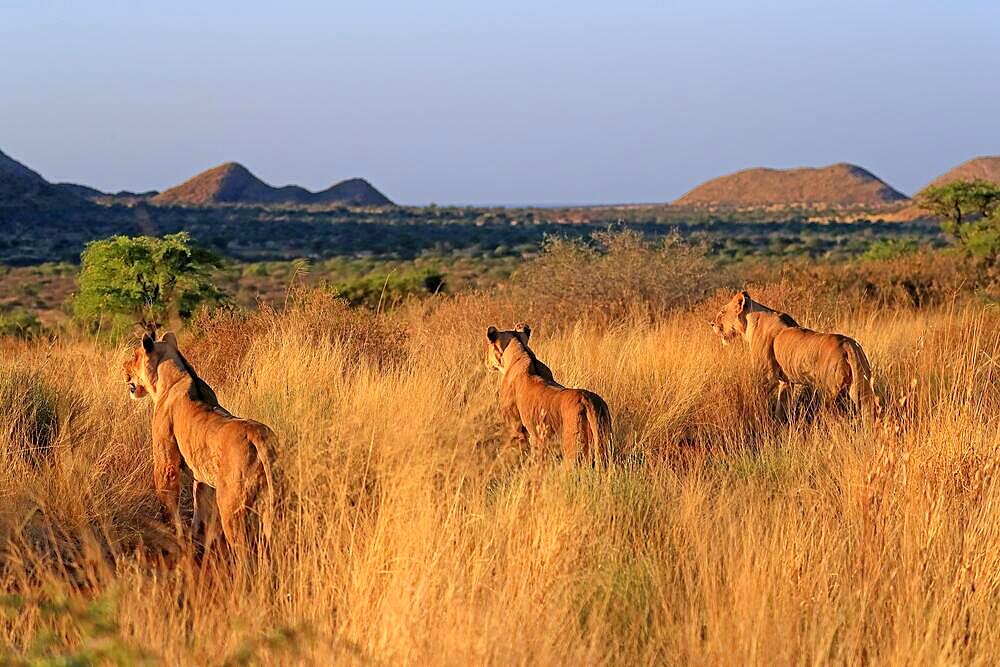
{"x": 224, "y": 336}
{"x": 145, "y": 278}
{"x": 19, "y": 323}
{"x": 378, "y": 291}
{"x": 915, "y": 279}
{"x": 890, "y": 249}
{"x": 613, "y": 275}
{"x": 29, "y": 419}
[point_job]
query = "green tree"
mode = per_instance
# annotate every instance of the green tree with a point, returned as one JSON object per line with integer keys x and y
{"x": 971, "y": 212}
{"x": 145, "y": 278}
{"x": 959, "y": 200}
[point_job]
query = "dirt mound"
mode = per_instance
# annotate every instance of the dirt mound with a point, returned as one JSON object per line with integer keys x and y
{"x": 232, "y": 183}
{"x": 839, "y": 186}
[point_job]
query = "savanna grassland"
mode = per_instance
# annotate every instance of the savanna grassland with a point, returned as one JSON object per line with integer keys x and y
{"x": 409, "y": 534}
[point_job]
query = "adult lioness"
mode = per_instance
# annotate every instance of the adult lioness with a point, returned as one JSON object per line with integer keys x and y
{"x": 535, "y": 408}
{"x": 833, "y": 364}
{"x": 230, "y": 455}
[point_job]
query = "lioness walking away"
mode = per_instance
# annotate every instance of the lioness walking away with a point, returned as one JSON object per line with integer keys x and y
{"x": 535, "y": 408}
{"x": 787, "y": 354}
{"x": 225, "y": 453}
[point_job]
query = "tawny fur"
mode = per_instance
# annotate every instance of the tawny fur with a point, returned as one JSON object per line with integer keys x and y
{"x": 537, "y": 410}
{"x": 229, "y": 455}
{"x": 787, "y": 354}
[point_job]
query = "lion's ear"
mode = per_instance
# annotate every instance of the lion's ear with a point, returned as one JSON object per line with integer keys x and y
{"x": 147, "y": 343}
{"x": 742, "y": 299}
{"x": 525, "y": 329}
{"x": 170, "y": 338}
{"x": 492, "y": 333}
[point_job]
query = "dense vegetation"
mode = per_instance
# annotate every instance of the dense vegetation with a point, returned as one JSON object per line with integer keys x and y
{"x": 409, "y": 534}
{"x": 270, "y": 233}
{"x": 971, "y": 214}
{"x": 385, "y": 255}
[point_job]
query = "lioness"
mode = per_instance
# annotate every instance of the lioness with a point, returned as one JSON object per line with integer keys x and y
{"x": 535, "y": 407}
{"x": 832, "y": 364}
{"x": 224, "y": 453}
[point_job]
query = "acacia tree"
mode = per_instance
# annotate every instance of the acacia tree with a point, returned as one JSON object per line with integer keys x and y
{"x": 145, "y": 278}
{"x": 971, "y": 214}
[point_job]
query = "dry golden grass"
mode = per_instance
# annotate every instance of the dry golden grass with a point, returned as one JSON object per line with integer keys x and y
{"x": 410, "y": 537}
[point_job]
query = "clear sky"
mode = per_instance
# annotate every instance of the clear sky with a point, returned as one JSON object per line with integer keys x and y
{"x": 496, "y": 102}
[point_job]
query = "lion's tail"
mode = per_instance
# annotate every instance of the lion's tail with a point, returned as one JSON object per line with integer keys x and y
{"x": 861, "y": 391}
{"x": 264, "y": 444}
{"x": 599, "y": 425}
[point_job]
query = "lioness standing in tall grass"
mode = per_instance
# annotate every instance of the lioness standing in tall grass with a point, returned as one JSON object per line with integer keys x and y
{"x": 230, "y": 455}
{"x": 535, "y": 408}
{"x": 833, "y": 364}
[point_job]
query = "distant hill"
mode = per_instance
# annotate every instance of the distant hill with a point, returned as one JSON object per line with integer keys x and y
{"x": 985, "y": 168}
{"x": 22, "y": 188}
{"x": 839, "y": 186}
{"x": 107, "y": 198}
{"x": 235, "y": 184}
{"x": 353, "y": 191}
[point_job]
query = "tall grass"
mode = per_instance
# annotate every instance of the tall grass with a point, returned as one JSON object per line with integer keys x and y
{"x": 409, "y": 535}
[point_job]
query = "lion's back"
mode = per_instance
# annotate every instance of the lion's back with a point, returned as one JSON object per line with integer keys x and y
{"x": 812, "y": 357}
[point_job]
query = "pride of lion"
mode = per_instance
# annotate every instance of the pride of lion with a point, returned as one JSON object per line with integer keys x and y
{"x": 231, "y": 459}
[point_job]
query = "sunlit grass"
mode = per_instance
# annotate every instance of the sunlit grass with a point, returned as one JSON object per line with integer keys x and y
{"x": 410, "y": 535}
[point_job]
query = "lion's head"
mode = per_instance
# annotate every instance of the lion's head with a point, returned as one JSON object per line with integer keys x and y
{"x": 140, "y": 370}
{"x": 497, "y": 342}
{"x": 731, "y": 322}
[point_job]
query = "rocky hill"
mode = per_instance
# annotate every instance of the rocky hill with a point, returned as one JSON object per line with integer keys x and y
{"x": 232, "y": 183}
{"x": 836, "y": 186}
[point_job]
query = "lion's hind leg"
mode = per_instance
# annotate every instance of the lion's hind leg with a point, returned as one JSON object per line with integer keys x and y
{"x": 205, "y": 521}
{"x": 575, "y": 433}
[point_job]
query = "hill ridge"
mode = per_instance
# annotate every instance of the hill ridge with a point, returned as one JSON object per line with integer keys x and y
{"x": 841, "y": 185}
{"x": 231, "y": 182}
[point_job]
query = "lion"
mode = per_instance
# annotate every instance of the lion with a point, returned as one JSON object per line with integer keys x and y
{"x": 535, "y": 408}
{"x": 225, "y": 454}
{"x": 833, "y": 365}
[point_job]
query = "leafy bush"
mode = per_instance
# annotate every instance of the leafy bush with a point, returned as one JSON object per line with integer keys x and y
{"x": 981, "y": 238}
{"x": 378, "y": 291}
{"x": 890, "y": 249}
{"x": 145, "y": 278}
{"x": 19, "y": 323}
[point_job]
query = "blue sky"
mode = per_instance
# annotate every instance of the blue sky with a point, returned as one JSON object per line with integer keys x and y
{"x": 496, "y": 102}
